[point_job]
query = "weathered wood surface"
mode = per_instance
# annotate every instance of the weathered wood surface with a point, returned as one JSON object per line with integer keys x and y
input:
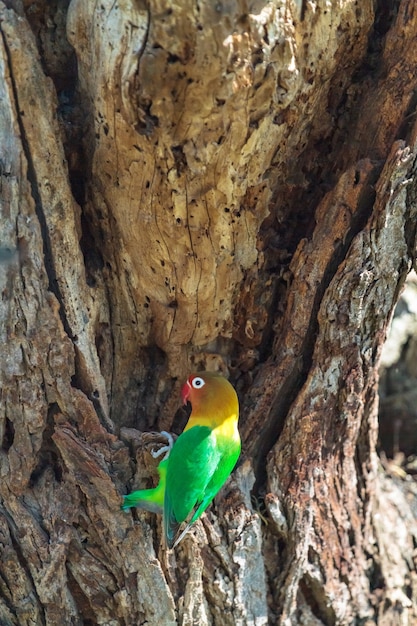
{"x": 198, "y": 184}
{"x": 398, "y": 384}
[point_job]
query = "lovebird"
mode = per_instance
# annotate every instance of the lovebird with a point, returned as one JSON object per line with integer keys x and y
{"x": 204, "y": 455}
{"x": 201, "y": 459}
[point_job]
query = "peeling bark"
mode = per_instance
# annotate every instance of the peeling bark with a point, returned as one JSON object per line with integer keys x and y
{"x": 224, "y": 186}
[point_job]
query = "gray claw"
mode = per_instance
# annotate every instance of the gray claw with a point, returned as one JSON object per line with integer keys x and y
{"x": 165, "y": 449}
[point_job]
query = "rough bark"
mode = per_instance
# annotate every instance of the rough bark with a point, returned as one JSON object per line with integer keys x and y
{"x": 186, "y": 185}
{"x": 397, "y": 389}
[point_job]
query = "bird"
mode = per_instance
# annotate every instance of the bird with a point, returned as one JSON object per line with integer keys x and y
{"x": 200, "y": 461}
{"x": 204, "y": 455}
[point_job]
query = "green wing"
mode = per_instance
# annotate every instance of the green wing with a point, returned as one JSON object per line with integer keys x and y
{"x": 198, "y": 466}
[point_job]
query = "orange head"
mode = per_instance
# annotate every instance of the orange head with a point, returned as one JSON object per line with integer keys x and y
{"x": 210, "y": 394}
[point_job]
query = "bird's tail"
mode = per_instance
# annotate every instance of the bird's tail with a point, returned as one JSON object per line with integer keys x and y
{"x": 147, "y": 499}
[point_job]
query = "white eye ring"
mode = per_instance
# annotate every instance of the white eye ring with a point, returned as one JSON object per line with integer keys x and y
{"x": 198, "y": 382}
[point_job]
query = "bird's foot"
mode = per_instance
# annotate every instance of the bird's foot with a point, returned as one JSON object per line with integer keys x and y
{"x": 165, "y": 450}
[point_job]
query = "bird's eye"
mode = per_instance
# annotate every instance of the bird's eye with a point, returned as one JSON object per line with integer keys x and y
{"x": 198, "y": 382}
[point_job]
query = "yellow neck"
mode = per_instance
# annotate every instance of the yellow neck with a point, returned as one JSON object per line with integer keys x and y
{"x": 227, "y": 427}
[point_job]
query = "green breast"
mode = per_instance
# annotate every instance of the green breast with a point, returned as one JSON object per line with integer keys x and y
{"x": 199, "y": 464}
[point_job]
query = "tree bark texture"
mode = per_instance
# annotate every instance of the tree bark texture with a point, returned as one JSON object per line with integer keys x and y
{"x": 398, "y": 389}
{"x": 191, "y": 185}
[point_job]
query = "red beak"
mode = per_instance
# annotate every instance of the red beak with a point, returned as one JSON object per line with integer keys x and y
{"x": 185, "y": 392}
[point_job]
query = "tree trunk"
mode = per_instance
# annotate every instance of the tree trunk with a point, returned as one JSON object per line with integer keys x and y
{"x": 184, "y": 186}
